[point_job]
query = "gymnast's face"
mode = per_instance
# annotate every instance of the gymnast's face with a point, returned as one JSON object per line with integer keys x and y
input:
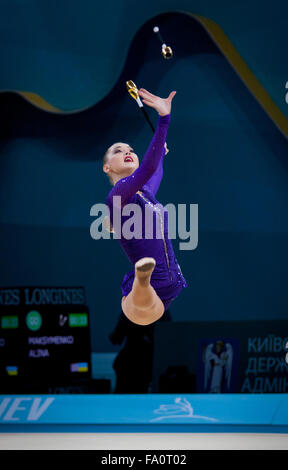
{"x": 120, "y": 161}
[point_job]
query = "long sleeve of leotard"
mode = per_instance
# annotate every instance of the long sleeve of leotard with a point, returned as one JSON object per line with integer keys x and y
{"x": 154, "y": 182}
{"x": 128, "y": 186}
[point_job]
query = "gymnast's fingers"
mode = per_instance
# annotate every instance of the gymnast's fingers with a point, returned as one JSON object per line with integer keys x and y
{"x": 148, "y": 102}
{"x": 147, "y": 98}
{"x": 171, "y": 96}
{"x": 147, "y": 93}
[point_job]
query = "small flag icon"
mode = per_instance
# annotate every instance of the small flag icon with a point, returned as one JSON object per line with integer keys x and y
{"x": 79, "y": 367}
{"x": 12, "y": 370}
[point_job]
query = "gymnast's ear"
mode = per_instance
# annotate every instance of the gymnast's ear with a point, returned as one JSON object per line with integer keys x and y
{"x": 105, "y": 162}
{"x": 106, "y": 168}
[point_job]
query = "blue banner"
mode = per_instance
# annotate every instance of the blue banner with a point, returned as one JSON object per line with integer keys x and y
{"x": 268, "y": 409}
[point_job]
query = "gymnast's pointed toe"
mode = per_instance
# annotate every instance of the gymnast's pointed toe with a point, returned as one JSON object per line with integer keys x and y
{"x": 145, "y": 266}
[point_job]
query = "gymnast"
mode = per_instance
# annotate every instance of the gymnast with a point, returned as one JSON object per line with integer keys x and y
{"x": 156, "y": 280}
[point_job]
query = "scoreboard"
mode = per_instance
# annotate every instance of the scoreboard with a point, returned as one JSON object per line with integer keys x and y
{"x": 44, "y": 337}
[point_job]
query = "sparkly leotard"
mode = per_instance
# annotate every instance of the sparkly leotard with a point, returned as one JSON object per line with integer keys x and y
{"x": 140, "y": 188}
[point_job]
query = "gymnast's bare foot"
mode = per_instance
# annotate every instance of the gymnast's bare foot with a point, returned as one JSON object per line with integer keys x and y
{"x": 142, "y": 305}
{"x": 144, "y": 268}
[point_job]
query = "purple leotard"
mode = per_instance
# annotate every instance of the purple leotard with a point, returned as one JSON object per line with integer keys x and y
{"x": 167, "y": 278}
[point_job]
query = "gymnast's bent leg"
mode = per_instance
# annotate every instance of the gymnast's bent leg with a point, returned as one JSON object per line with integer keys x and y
{"x": 142, "y": 305}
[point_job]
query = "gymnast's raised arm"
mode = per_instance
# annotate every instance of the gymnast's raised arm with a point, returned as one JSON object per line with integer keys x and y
{"x": 129, "y": 185}
{"x": 154, "y": 182}
{"x": 151, "y": 164}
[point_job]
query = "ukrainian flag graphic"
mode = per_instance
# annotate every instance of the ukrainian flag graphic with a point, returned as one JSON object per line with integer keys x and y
{"x": 79, "y": 367}
{"x": 12, "y": 370}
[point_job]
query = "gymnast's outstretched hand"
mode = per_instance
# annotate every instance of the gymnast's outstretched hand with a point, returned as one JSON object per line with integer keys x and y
{"x": 162, "y": 105}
